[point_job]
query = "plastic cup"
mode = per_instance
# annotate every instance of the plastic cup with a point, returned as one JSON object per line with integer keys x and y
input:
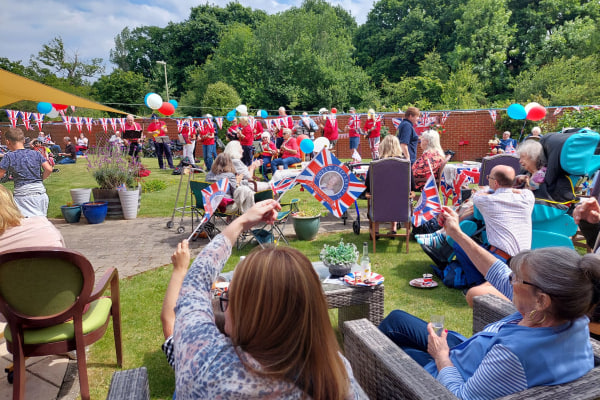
{"x": 438, "y": 324}
{"x": 427, "y": 279}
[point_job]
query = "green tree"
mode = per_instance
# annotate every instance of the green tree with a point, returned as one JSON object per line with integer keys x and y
{"x": 587, "y": 117}
{"x": 53, "y": 58}
{"x": 463, "y": 90}
{"x": 419, "y": 91}
{"x": 125, "y": 90}
{"x": 219, "y": 99}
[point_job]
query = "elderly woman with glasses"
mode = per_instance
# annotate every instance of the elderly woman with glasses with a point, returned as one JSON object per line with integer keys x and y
{"x": 278, "y": 341}
{"x": 546, "y": 342}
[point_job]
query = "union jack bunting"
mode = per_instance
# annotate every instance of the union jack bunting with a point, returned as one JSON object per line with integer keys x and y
{"x": 277, "y": 122}
{"x": 197, "y": 124}
{"x": 122, "y": 122}
{"x": 104, "y": 123}
{"x": 251, "y": 121}
{"x": 67, "y": 122}
{"x": 13, "y": 116}
{"x": 464, "y": 176}
{"x": 26, "y": 119}
{"x": 209, "y": 123}
{"x": 594, "y": 107}
{"x": 578, "y": 108}
{"x": 113, "y": 123}
{"x": 61, "y": 112}
{"x": 493, "y": 114}
{"x": 557, "y": 111}
{"x": 282, "y": 186}
{"x": 378, "y": 118}
{"x": 78, "y": 122}
{"x": 423, "y": 118}
{"x": 354, "y": 121}
{"x": 39, "y": 119}
{"x": 73, "y": 108}
{"x": 219, "y": 122}
{"x": 396, "y": 122}
{"x": 179, "y": 125}
{"x": 429, "y": 206}
{"x": 88, "y": 123}
{"x": 445, "y": 116}
{"x": 212, "y": 196}
{"x": 331, "y": 182}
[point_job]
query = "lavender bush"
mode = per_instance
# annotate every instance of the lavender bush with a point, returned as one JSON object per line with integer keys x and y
{"x": 112, "y": 168}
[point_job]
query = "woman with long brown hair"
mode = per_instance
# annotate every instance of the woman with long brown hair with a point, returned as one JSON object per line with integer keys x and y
{"x": 278, "y": 340}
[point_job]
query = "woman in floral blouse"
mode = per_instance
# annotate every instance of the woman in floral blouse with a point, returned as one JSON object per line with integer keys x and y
{"x": 279, "y": 343}
{"x": 433, "y": 155}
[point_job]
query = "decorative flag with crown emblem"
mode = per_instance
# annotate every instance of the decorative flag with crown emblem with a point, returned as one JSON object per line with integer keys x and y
{"x": 429, "y": 206}
{"x": 331, "y": 182}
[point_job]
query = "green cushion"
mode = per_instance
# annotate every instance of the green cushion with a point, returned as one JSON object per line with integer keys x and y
{"x": 93, "y": 319}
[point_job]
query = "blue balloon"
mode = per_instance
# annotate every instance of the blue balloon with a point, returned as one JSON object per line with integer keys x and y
{"x": 264, "y": 114}
{"x": 307, "y": 146}
{"x": 146, "y": 99}
{"x": 516, "y": 111}
{"x": 231, "y": 115}
{"x": 174, "y": 102}
{"x": 44, "y": 108}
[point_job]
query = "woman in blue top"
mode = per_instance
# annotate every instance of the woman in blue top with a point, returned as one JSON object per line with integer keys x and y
{"x": 545, "y": 343}
{"x": 407, "y": 135}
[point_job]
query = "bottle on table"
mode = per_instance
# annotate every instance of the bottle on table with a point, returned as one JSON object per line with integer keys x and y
{"x": 365, "y": 262}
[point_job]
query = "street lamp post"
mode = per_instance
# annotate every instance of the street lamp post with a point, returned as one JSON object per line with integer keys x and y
{"x": 166, "y": 82}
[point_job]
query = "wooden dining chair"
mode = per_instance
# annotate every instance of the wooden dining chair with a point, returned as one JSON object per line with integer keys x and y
{"x": 52, "y": 306}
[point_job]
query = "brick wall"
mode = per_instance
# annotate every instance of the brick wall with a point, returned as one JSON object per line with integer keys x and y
{"x": 466, "y": 133}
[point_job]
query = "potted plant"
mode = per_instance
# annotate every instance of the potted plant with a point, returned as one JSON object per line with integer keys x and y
{"x": 339, "y": 259}
{"x": 307, "y": 221}
{"x": 95, "y": 211}
{"x": 113, "y": 171}
{"x": 71, "y": 213}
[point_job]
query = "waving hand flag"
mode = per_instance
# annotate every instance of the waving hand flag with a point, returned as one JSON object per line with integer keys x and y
{"x": 331, "y": 182}
{"x": 282, "y": 186}
{"x": 396, "y": 122}
{"x": 212, "y": 196}
{"x": 429, "y": 205}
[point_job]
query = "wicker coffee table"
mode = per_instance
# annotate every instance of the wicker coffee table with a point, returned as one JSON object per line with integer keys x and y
{"x": 352, "y": 302}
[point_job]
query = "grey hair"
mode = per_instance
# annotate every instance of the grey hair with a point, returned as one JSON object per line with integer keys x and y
{"x": 433, "y": 142}
{"x": 234, "y": 150}
{"x": 571, "y": 281}
{"x": 533, "y": 150}
{"x": 536, "y": 129}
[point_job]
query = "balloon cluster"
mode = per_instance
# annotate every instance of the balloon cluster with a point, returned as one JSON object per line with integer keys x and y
{"x": 306, "y": 145}
{"x": 155, "y": 102}
{"x": 532, "y": 111}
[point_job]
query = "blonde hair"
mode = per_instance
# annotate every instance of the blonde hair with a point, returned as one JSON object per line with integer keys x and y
{"x": 390, "y": 147}
{"x": 293, "y": 340}
{"x": 370, "y": 113}
{"x": 222, "y": 164}
{"x": 10, "y": 215}
{"x": 433, "y": 142}
{"x": 234, "y": 150}
{"x": 244, "y": 120}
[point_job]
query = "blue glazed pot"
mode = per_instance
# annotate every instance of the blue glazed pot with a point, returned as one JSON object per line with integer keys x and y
{"x": 72, "y": 214}
{"x": 95, "y": 212}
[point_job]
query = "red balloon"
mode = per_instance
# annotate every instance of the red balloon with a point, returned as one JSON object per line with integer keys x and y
{"x": 334, "y": 110}
{"x": 59, "y": 107}
{"x": 536, "y": 113}
{"x": 166, "y": 108}
{"x": 300, "y": 138}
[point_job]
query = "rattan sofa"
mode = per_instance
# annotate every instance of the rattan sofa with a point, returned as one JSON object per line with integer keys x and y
{"x": 385, "y": 372}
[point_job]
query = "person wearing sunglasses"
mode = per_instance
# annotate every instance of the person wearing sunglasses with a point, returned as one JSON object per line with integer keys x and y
{"x": 546, "y": 342}
{"x": 278, "y": 340}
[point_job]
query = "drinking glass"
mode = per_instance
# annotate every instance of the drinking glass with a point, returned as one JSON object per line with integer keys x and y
{"x": 438, "y": 324}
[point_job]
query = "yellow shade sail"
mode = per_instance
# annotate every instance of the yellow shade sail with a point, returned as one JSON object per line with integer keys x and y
{"x": 15, "y": 88}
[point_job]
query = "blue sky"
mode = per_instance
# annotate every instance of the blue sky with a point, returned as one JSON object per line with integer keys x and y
{"x": 88, "y": 27}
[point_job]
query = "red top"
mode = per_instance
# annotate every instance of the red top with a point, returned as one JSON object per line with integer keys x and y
{"x": 188, "y": 134}
{"x": 330, "y": 130}
{"x": 353, "y": 127}
{"x": 247, "y": 136}
{"x": 127, "y": 127}
{"x": 258, "y": 130}
{"x": 269, "y": 145}
{"x": 286, "y": 122}
{"x": 376, "y": 130}
{"x": 291, "y": 144}
{"x": 157, "y": 127}
{"x": 208, "y": 135}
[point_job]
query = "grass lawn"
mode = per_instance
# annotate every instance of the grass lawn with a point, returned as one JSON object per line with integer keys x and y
{"x": 142, "y": 295}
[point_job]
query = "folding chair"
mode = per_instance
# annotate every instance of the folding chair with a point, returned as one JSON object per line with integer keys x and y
{"x": 389, "y": 197}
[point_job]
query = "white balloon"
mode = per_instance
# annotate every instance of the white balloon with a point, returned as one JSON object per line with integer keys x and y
{"x": 242, "y": 109}
{"x": 321, "y": 143}
{"x": 53, "y": 113}
{"x": 154, "y": 101}
{"x": 530, "y": 106}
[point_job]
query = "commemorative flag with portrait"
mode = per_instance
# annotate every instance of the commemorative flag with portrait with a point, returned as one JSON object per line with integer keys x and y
{"x": 429, "y": 206}
{"x": 331, "y": 182}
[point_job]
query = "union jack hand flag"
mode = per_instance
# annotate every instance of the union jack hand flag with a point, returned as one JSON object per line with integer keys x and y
{"x": 354, "y": 121}
{"x": 212, "y": 196}
{"x": 331, "y": 182}
{"x": 282, "y": 186}
{"x": 429, "y": 205}
{"x": 396, "y": 122}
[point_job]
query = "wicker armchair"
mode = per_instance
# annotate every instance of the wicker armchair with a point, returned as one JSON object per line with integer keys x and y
{"x": 385, "y": 372}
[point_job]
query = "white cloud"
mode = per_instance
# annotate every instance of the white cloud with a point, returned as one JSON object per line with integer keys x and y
{"x": 89, "y": 27}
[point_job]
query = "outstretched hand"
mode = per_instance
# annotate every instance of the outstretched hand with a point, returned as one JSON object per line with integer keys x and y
{"x": 181, "y": 257}
{"x": 449, "y": 220}
{"x": 264, "y": 211}
{"x": 588, "y": 209}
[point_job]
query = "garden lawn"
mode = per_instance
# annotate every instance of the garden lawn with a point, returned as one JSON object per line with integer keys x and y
{"x": 142, "y": 295}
